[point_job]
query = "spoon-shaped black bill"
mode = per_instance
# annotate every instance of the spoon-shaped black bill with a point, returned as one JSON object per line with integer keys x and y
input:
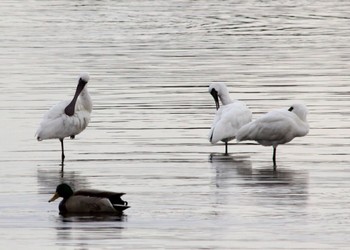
{"x": 214, "y": 94}
{"x": 69, "y": 110}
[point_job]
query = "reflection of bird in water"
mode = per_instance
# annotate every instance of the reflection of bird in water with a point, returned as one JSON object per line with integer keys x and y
{"x": 67, "y": 118}
{"x": 232, "y": 115}
{"x": 48, "y": 180}
{"x": 281, "y": 184}
{"x": 110, "y": 230}
{"x": 236, "y": 174}
{"x": 88, "y": 201}
{"x": 229, "y": 168}
{"x": 276, "y": 127}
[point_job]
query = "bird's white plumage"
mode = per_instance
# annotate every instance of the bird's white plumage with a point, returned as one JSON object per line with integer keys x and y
{"x": 228, "y": 119}
{"x": 85, "y": 76}
{"x": 231, "y": 116}
{"x": 56, "y": 124}
{"x": 222, "y": 91}
{"x": 276, "y": 127}
{"x": 67, "y": 118}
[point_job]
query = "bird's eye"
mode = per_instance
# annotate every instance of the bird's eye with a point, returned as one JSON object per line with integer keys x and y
{"x": 291, "y": 108}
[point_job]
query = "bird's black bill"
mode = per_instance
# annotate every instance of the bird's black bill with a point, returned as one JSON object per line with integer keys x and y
{"x": 54, "y": 197}
{"x": 62, "y": 154}
{"x": 214, "y": 94}
{"x": 69, "y": 110}
{"x": 291, "y": 109}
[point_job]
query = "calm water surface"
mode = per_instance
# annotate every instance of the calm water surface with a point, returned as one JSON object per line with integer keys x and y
{"x": 150, "y": 64}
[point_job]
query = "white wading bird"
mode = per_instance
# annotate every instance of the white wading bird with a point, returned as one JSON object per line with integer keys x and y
{"x": 229, "y": 118}
{"x": 277, "y": 127}
{"x": 67, "y": 118}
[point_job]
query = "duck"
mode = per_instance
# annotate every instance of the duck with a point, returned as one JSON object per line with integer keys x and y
{"x": 277, "y": 127}
{"x": 67, "y": 118}
{"x": 88, "y": 201}
{"x": 229, "y": 117}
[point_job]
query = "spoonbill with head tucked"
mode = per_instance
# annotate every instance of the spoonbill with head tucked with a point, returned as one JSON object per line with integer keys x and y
{"x": 277, "y": 127}
{"x": 67, "y": 118}
{"x": 229, "y": 118}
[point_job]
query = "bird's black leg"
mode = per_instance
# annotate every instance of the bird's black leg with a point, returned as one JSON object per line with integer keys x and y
{"x": 62, "y": 156}
{"x": 226, "y": 145}
{"x": 274, "y": 158}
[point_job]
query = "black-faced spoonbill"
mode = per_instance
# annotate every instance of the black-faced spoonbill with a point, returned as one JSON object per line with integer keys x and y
{"x": 277, "y": 127}
{"x": 229, "y": 118}
{"x": 87, "y": 201}
{"x": 67, "y": 118}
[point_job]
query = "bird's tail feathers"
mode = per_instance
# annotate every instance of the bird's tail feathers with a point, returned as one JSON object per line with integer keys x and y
{"x": 243, "y": 133}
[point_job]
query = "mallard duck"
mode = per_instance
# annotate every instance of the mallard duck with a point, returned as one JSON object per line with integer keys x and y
{"x": 88, "y": 200}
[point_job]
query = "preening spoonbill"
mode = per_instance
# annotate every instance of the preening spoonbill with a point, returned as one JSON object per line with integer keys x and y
{"x": 277, "y": 127}
{"x": 230, "y": 117}
{"x": 67, "y": 118}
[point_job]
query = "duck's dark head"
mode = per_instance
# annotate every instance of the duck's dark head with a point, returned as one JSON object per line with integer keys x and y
{"x": 63, "y": 190}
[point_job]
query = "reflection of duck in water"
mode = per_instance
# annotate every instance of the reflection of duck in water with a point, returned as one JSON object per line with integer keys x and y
{"x": 87, "y": 201}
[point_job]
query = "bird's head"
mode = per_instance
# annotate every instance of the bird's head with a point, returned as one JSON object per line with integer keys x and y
{"x": 216, "y": 90}
{"x": 300, "y": 110}
{"x": 84, "y": 78}
{"x": 63, "y": 190}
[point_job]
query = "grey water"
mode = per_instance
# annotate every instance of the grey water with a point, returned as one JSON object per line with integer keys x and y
{"x": 150, "y": 64}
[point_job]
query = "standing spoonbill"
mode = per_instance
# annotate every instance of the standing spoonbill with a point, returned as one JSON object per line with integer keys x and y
{"x": 67, "y": 118}
{"x": 229, "y": 118}
{"x": 277, "y": 127}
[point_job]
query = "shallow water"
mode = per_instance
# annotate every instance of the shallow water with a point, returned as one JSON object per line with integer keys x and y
{"x": 150, "y": 64}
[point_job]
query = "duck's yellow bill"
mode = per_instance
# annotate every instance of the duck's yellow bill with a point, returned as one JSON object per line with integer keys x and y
{"x": 54, "y": 197}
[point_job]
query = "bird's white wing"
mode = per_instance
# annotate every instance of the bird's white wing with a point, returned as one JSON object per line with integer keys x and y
{"x": 51, "y": 121}
{"x": 55, "y": 111}
{"x": 228, "y": 120}
{"x": 275, "y": 126}
{"x": 56, "y": 124}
